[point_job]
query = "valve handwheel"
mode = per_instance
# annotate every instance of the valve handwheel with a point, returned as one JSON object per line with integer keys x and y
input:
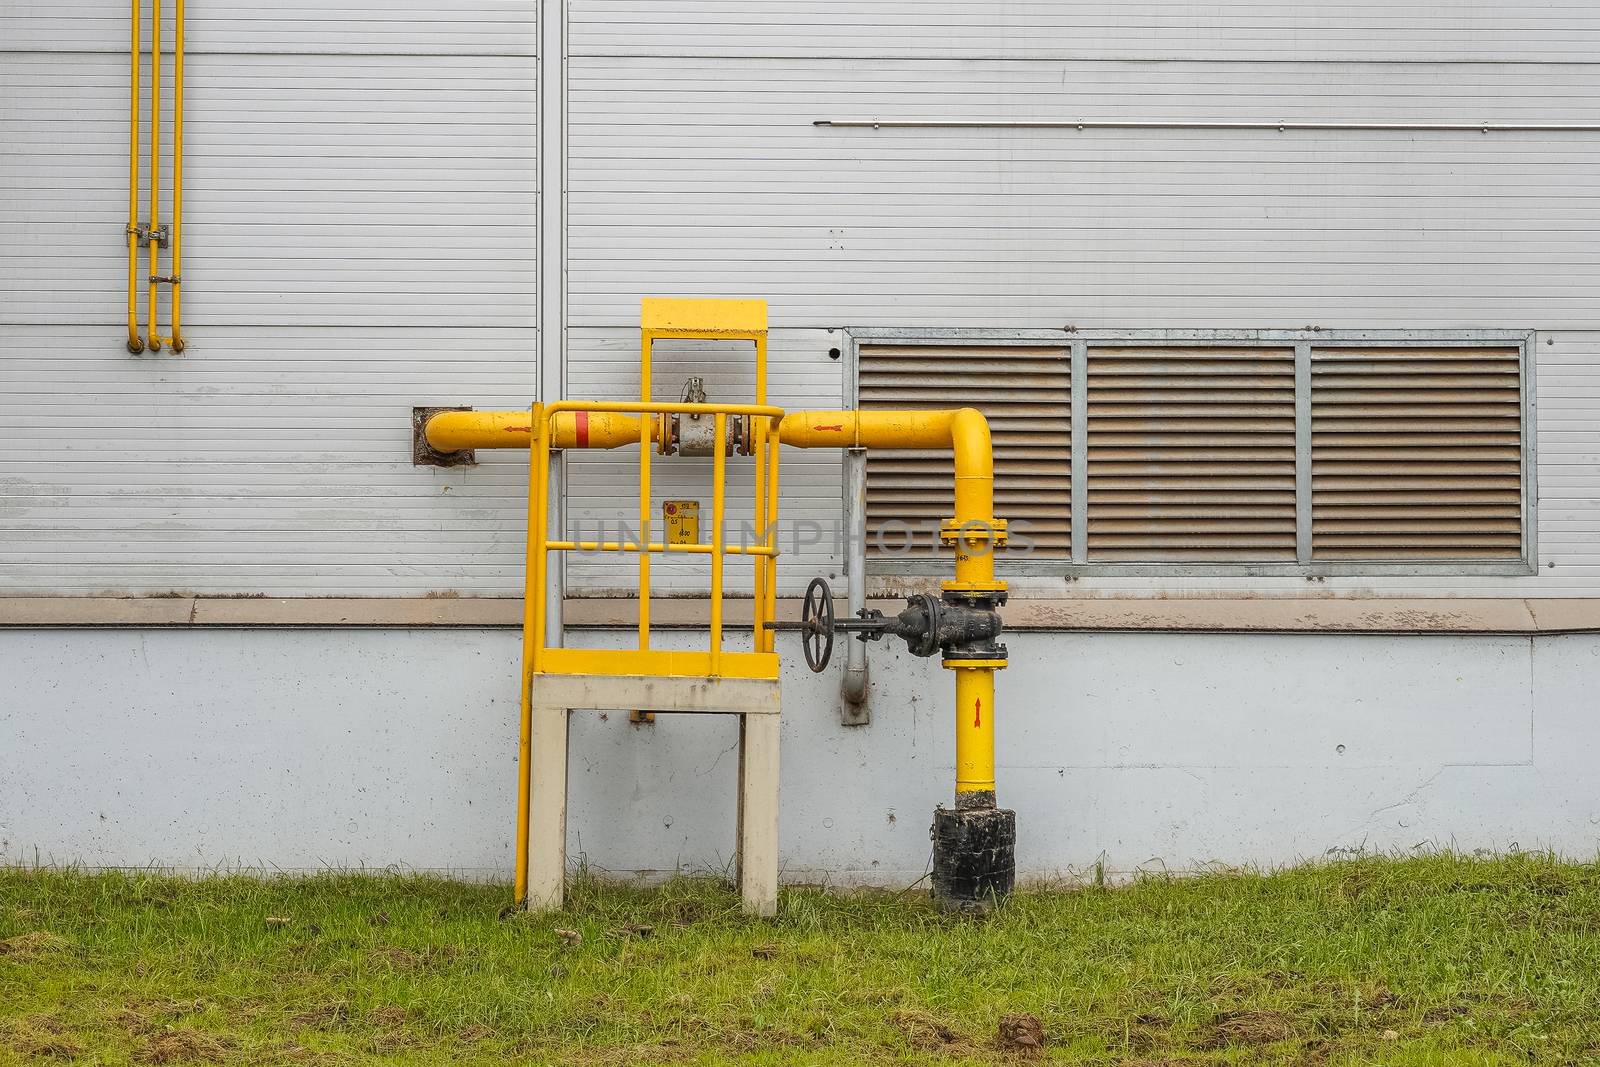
{"x": 816, "y": 625}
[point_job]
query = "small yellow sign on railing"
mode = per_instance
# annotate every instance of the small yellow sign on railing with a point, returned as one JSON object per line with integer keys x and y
{"x": 682, "y": 521}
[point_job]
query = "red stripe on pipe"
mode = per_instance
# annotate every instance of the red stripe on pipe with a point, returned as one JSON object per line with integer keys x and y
{"x": 583, "y": 428}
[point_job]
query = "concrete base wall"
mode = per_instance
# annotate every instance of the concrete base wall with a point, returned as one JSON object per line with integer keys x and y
{"x": 301, "y": 749}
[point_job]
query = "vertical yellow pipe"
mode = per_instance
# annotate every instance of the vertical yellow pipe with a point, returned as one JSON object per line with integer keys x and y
{"x": 719, "y": 471}
{"x": 177, "y": 172}
{"x": 151, "y": 340}
{"x": 974, "y": 731}
{"x": 532, "y": 636}
{"x": 644, "y": 497}
{"x": 135, "y": 342}
{"x": 771, "y": 598}
{"x": 760, "y": 565}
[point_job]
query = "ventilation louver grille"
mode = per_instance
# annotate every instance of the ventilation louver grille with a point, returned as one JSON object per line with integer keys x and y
{"x": 1191, "y": 454}
{"x": 1025, "y": 393}
{"x": 1416, "y": 454}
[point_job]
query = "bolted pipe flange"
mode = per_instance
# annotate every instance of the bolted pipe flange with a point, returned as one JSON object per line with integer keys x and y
{"x": 980, "y": 535}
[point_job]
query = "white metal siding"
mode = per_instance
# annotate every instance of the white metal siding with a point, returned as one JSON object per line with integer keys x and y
{"x": 1272, "y": 30}
{"x": 359, "y": 235}
{"x": 293, "y": 27}
{"x": 319, "y": 191}
{"x": 706, "y": 175}
{"x": 367, "y": 171}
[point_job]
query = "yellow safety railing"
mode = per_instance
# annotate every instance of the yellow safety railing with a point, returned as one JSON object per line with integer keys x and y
{"x": 715, "y": 661}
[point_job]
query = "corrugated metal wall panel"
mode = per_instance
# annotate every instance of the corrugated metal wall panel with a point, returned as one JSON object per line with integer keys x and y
{"x": 1025, "y": 393}
{"x": 367, "y": 190}
{"x": 1357, "y": 30}
{"x": 703, "y": 176}
{"x": 297, "y": 27}
{"x": 1416, "y": 454}
{"x": 359, "y": 238}
{"x": 987, "y": 228}
{"x": 263, "y": 463}
{"x": 1191, "y": 454}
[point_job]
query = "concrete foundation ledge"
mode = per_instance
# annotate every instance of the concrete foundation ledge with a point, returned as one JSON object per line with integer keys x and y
{"x": 1511, "y": 615}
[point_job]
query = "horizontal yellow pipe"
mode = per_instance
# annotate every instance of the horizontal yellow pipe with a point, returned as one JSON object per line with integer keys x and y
{"x": 452, "y": 431}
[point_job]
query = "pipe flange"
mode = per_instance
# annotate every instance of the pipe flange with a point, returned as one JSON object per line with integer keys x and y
{"x": 973, "y": 532}
{"x": 926, "y": 643}
{"x": 988, "y": 664}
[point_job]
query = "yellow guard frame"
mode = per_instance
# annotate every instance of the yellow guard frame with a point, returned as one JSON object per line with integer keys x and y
{"x": 722, "y": 320}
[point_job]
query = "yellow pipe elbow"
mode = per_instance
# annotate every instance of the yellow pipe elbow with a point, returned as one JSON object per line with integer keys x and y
{"x": 963, "y": 430}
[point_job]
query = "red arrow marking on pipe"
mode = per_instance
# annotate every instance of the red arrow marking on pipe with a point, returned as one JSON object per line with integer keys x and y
{"x": 835, "y": 426}
{"x": 518, "y": 429}
{"x": 977, "y": 713}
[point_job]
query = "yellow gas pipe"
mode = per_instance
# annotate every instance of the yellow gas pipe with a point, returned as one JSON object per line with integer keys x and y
{"x": 177, "y": 172}
{"x": 151, "y": 233}
{"x": 135, "y": 342}
{"x": 974, "y": 531}
{"x": 151, "y": 340}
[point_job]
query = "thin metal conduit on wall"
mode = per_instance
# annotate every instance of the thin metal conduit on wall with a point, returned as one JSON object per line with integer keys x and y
{"x": 1205, "y": 124}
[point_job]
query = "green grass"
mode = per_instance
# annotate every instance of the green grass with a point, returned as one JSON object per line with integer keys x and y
{"x": 1440, "y": 960}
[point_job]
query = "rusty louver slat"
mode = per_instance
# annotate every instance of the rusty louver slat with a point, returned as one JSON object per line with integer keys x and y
{"x": 1416, "y": 454}
{"x": 1026, "y": 394}
{"x": 1191, "y": 454}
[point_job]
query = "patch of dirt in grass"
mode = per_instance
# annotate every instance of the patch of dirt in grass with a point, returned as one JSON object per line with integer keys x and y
{"x": 652, "y": 1055}
{"x": 141, "y": 1016}
{"x": 39, "y": 1037}
{"x": 388, "y": 1016}
{"x": 474, "y": 1034}
{"x": 1381, "y": 998}
{"x": 44, "y": 1046}
{"x": 321, "y": 1017}
{"x": 33, "y": 945}
{"x": 1020, "y": 1032}
{"x": 923, "y": 1029}
{"x": 181, "y": 1046}
{"x": 1244, "y": 1028}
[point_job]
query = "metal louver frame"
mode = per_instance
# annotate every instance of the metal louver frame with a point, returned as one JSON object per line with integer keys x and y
{"x": 1191, "y": 453}
{"x": 1416, "y": 453}
{"x": 1453, "y": 493}
{"x": 1025, "y": 391}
